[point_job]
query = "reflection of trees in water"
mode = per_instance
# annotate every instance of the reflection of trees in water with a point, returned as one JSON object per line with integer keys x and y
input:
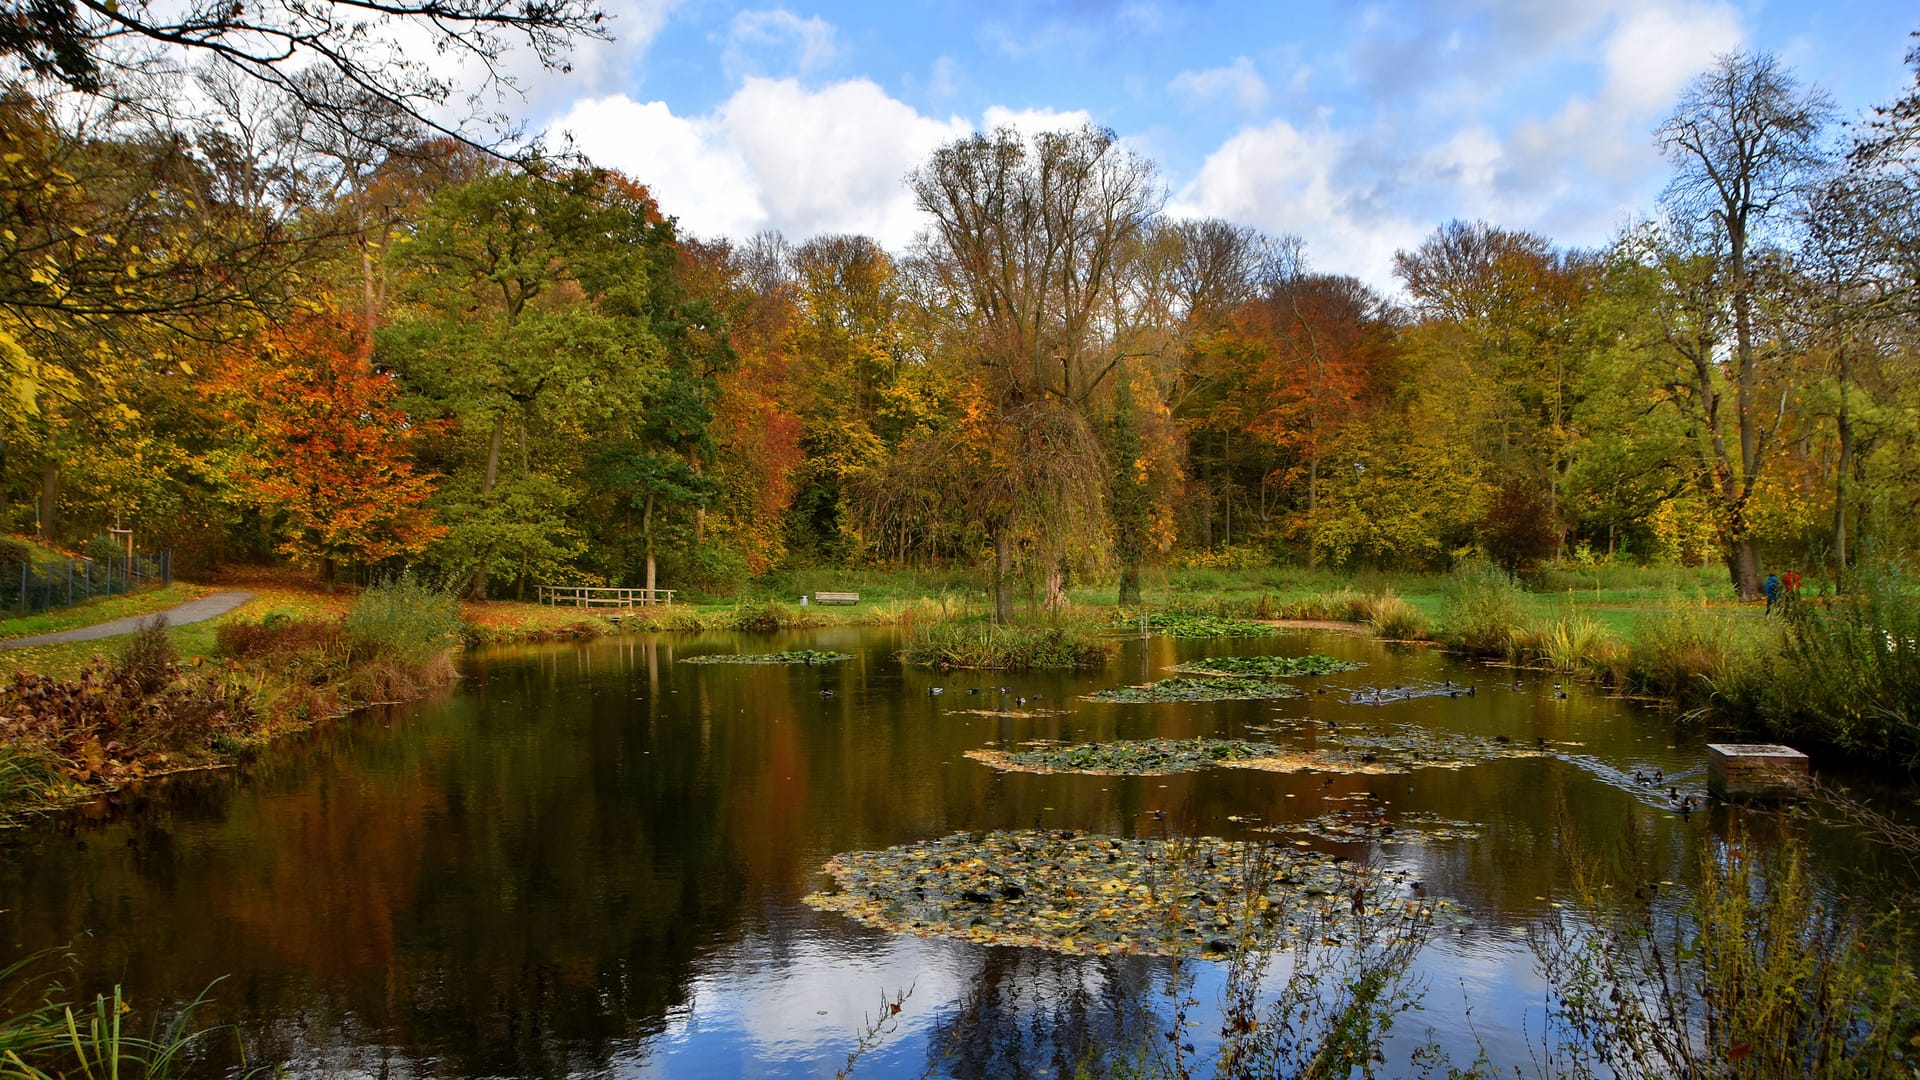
{"x": 1035, "y": 1013}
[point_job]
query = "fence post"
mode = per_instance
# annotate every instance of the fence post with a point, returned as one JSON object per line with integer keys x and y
{"x": 69, "y": 582}
{"x": 23, "y": 585}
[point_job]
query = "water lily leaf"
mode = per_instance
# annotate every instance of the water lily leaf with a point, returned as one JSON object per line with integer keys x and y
{"x": 1189, "y": 897}
{"x": 1215, "y": 688}
{"x": 795, "y": 656}
{"x": 1133, "y": 757}
{"x": 1267, "y": 667}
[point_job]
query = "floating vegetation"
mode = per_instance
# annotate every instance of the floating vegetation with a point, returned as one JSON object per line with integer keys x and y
{"x": 1268, "y": 667}
{"x": 795, "y": 656}
{"x": 1084, "y": 894}
{"x": 1168, "y": 624}
{"x": 1014, "y": 714}
{"x": 1211, "y": 688}
{"x": 1387, "y": 695}
{"x": 1361, "y": 827}
{"x": 1135, "y": 757}
{"x": 1354, "y": 749}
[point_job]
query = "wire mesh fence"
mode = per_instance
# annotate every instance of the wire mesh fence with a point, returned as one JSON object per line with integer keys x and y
{"x": 47, "y": 585}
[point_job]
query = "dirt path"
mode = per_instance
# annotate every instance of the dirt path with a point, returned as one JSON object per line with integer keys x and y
{"x": 193, "y": 611}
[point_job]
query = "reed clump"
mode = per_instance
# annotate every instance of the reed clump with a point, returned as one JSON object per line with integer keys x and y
{"x": 1847, "y": 673}
{"x": 1482, "y": 612}
{"x": 1016, "y": 647}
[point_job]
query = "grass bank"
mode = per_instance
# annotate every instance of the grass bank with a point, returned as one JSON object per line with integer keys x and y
{"x": 148, "y": 706}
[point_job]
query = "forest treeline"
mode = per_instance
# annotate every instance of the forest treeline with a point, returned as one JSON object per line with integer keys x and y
{"x": 290, "y": 321}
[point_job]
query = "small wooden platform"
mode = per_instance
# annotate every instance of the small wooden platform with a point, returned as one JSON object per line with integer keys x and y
{"x": 836, "y": 598}
{"x": 1756, "y": 771}
{"x": 590, "y": 596}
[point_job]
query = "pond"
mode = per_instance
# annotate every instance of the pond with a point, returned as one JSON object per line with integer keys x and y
{"x": 590, "y": 859}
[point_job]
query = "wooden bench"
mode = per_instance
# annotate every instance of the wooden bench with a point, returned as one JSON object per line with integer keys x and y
{"x": 836, "y": 598}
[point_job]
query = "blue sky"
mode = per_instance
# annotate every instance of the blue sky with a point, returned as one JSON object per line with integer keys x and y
{"x": 1358, "y": 126}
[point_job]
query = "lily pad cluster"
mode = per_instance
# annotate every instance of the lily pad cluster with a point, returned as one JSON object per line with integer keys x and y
{"x": 1132, "y": 757}
{"x": 1268, "y": 667}
{"x": 1403, "y": 748}
{"x": 1351, "y": 826}
{"x": 794, "y": 656}
{"x": 1212, "y": 688}
{"x": 1170, "y": 624}
{"x": 1086, "y": 894}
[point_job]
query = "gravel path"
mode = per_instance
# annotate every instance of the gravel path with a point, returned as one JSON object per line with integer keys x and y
{"x": 190, "y": 612}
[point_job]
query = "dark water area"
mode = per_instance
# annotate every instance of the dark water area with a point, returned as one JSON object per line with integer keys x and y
{"x": 589, "y": 859}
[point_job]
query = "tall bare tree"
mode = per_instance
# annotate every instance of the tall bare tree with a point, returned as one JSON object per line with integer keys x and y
{"x": 1745, "y": 141}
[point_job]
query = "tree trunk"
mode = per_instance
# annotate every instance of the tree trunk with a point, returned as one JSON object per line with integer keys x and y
{"x": 1845, "y": 424}
{"x": 49, "y": 500}
{"x": 486, "y": 488}
{"x": 327, "y": 573}
{"x": 1130, "y": 586}
{"x": 1056, "y": 585}
{"x": 1745, "y": 564}
{"x": 646, "y": 531}
{"x": 1002, "y": 575}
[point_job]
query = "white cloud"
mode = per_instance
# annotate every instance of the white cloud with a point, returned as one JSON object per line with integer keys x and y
{"x": 775, "y": 155}
{"x": 832, "y": 160}
{"x": 1316, "y": 184}
{"x": 686, "y": 163}
{"x": 1035, "y": 121}
{"x": 759, "y": 42}
{"x": 1655, "y": 52}
{"x": 1237, "y": 82}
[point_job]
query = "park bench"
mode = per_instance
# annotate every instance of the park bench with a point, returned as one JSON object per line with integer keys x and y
{"x": 836, "y": 598}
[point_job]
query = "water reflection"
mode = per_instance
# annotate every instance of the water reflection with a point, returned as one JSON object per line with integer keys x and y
{"x": 588, "y": 859}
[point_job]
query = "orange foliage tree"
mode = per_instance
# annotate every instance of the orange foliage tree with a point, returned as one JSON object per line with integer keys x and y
{"x": 330, "y": 452}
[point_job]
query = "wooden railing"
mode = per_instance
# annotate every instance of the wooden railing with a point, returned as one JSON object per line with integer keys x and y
{"x": 598, "y": 596}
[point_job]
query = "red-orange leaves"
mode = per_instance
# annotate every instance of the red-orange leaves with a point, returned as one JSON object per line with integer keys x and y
{"x": 329, "y": 453}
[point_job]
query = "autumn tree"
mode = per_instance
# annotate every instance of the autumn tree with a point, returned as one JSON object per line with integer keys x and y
{"x": 328, "y": 452}
{"x": 1022, "y": 257}
{"x": 1744, "y": 140}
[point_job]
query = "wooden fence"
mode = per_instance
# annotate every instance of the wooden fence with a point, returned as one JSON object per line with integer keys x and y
{"x": 587, "y": 596}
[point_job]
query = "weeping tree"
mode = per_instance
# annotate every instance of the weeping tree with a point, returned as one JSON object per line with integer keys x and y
{"x": 1023, "y": 264}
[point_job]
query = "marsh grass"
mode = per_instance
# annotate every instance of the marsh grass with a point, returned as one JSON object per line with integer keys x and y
{"x": 1689, "y": 655}
{"x": 43, "y": 1037}
{"x": 1392, "y": 617}
{"x": 1483, "y": 612}
{"x": 1016, "y": 647}
{"x": 1848, "y": 673}
{"x": 1758, "y": 974}
{"x": 1574, "y": 642}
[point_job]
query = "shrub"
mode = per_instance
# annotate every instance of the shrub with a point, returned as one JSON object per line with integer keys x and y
{"x": 766, "y": 616}
{"x": 102, "y": 548}
{"x": 1849, "y": 674}
{"x": 15, "y": 552}
{"x": 1481, "y": 611}
{"x": 148, "y": 658}
{"x": 404, "y": 622}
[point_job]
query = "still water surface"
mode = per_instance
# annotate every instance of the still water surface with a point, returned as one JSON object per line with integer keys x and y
{"x": 589, "y": 859}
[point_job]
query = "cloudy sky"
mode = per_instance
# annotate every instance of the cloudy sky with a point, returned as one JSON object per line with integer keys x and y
{"x": 1357, "y": 126}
